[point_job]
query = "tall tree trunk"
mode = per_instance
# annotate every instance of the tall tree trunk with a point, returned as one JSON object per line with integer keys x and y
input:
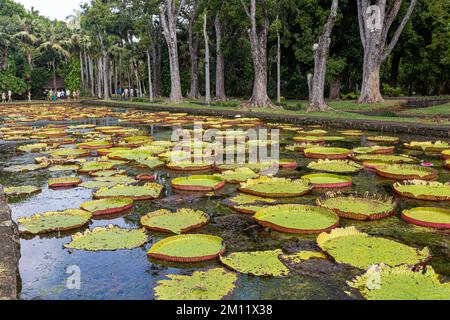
{"x": 278, "y": 65}
{"x": 335, "y": 88}
{"x": 207, "y": 71}
{"x": 99, "y": 77}
{"x": 395, "y": 66}
{"x": 105, "y": 69}
{"x": 150, "y": 84}
{"x": 220, "y": 66}
{"x": 156, "y": 63}
{"x": 169, "y": 16}
{"x": 442, "y": 85}
{"x": 258, "y": 42}
{"x": 317, "y": 96}
{"x": 193, "y": 42}
{"x": 91, "y": 74}
{"x": 4, "y": 59}
{"x": 54, "y": 73}
{"x": 81, "y": 69}
{"x": 374, "y": 24}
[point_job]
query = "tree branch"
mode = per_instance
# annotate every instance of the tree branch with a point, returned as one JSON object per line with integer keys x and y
{"x": 362, "y": 7}
{"x": 390, "y": 18}
{"x": 399, "y": 31}
{"x": 245, "y": 8}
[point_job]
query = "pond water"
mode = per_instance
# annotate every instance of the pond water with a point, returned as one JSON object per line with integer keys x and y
{"x": 130, "y": 274}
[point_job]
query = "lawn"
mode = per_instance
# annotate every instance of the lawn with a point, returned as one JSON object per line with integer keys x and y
{"x": 441, "y": 110}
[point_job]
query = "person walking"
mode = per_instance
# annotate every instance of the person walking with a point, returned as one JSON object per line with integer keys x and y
{"x": 68, "y": 94}
{"x": 131, "y": 94}
{"x": 29, "y": 96}
{"x": 3, "y": 97}
{"x": 126, "y": 93}
{"x": 9, "y": 96}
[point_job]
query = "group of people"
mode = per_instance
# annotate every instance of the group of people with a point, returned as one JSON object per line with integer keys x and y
{"x": 7, "y": 96}
{"x": 125, "y": 93}
{"x": 54, "y": 95}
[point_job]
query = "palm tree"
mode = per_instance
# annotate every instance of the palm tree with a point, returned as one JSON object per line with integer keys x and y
{"x": 54, "y": 44}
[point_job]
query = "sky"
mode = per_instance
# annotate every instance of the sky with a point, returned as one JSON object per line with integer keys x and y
{"x": 52, "y": 8}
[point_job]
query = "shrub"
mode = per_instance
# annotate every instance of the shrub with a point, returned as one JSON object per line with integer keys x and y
{"x": 349, "y": 96}
{"x": 390, "y": 91}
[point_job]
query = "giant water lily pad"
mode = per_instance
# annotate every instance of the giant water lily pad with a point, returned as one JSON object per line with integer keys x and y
{"x": 350, "y": 246}
{"x": 386, "y": 158}
{"x": 93, "y": 166}
{"x": 54, "y": 221}
{"x": 188, "y": 248}
{"x": 335, "y": 166}
{"x": 66, "y": 167}
{"x": 374, "y": 150}
{"x": 239, "y": 175}
{"x": 107, "y": 206}
{"x": 64, "y": 182}
{"x": 150, "y": 163}
{"x": 428, "y": 146}
{"x": 446, "y": 154}
{"x": 328, "y": 180}
{"x": 181, "y": 221}
{"x": 108, "y": 238}
{"x": 35, "y": 147}
{"x": 423, "y": 190}
{"x": 130, "y": 155}
{"x": 213, "y": 284}
{"x": 276, "y": 187}
{"x": 108, "y": 173}
{"x": 94, "y": 145}
{"x": 146, "y": 192}
{"x": 358, "y": 207}
{"x": 401, "y": 283}
{"x": 21, "y": 190}
{"x": 428, "y": 217}
{"x": 385, "y": 139}
{"x": 246, "y": 203}
{"x": 327, "y": 153}
{"x": 26, "y": 167}
{"x": 257, "y": 263}
{"x": 69, "y": 153}
{"x": 407, "y": 172}
{"x": 102, "y": 182}
{"x": 189, "y": 166}
{"x": 296, "y": 218}
{"x": 198, "y": 183}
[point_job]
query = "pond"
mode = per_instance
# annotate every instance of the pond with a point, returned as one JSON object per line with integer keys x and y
{"x": 130, "y": 274}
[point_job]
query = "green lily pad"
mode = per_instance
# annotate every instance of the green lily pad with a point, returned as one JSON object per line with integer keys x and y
{"x": 297, "y": 218}
{"x": 428, "y": 217}
{"x": 246, "y": 203}
{"x": 198, "y": 183}
{"x": 130, "y": 155}
{"x": 66, "y": 167}
{"x": 189, "y": 166}
{"x": 387, "y": 139}
{"x": 93, "y": 166}
{"x": 335, "y": 166}
{"x": 407, "y": 172}
{"x": 21, "y": 191}
{"x": 108, "y": 173}
{"x": 150, "y": 163}
{"x": 257, "y": 263}
{"x": 360, "y": 250}
{"x": 108, "y": 238}
{"x": 401, "y": 283}
{"x": 327, "y": 153}
{"x": 102, "y": 182}
{"x": 107, "y": 206}
{"x": 26, "y": 167}
{"x": 276, "y": 187}
{"x": 95, "y": 145}
{"x": 423, "y": 190}
{"x": 213, "y": 284}
{"x": 365, "y": 207}
{"x": 428, "y": 146}
{"x": 54, "y": 221}
{"x": 36, "y": 147}
{"x": 146, "y": 192}
{"x": 181, "y": 221}
{"x": 299, "y": 147}
{"x": 386, "y": 158}
{"x": 328, "y": 180}
{"x": 239, "y": 175}
{"x": 69, "y": 153}
{"x": 64, "y": 182}
{"x": 188, "y": 248}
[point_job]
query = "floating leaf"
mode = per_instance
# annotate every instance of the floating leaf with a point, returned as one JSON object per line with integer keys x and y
{"x": 328, "y": 180}
{"x": 423, "y": 190}
{"x": 64, "y": 182}
{"x": 213, "y": 284}
{"x": 107, "y": 206}
{"x": 32, "y": 147}
{"x": 249, "y": 204}
{"x": 198, "y": 183}
{"x": 26, "y": 167}
{"x": 181, "y": 221}
{"x": 188, "y": 248}
{"x": 237, "y": 176}
{"x": 21, "y": 191}
{"x": 296, "y": 218}
{"x": 276, "y": 187}
{"x": 401, "y": 283}
{"x": 428, "y": 217}
{"x": 108, "y": 238}
{"x": 327, "y": 153}
{"x": 335, "y": 166}
{"x": 146, "y": 192}
{"x": 407, "y": 172}
{"x": 360, "y": 250}
{"x": 257, "y": 263}
{"x": 54, "y": 221}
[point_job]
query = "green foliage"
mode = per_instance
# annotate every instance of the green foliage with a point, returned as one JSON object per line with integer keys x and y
{"x": 72, "y": 76}
{"x": 13, "y": 83}
{"x": 391, "y": 91}
{"x": 349, "y": 96}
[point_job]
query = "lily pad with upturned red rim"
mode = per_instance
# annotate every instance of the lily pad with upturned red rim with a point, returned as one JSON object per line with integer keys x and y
{"x": 188, "y": 248}
{"x": 107, "y": 206}
{"x": 327, "y": 153}
{"x": 407, "y": 172}
{"x": 198, "y": 183}
{"x": 328, "y": 180}
{"x": 430, "y": 217}
{"x": 64, "y": 182}
{"x": 180, "y": 221}
{"x": 423, "y": 190}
